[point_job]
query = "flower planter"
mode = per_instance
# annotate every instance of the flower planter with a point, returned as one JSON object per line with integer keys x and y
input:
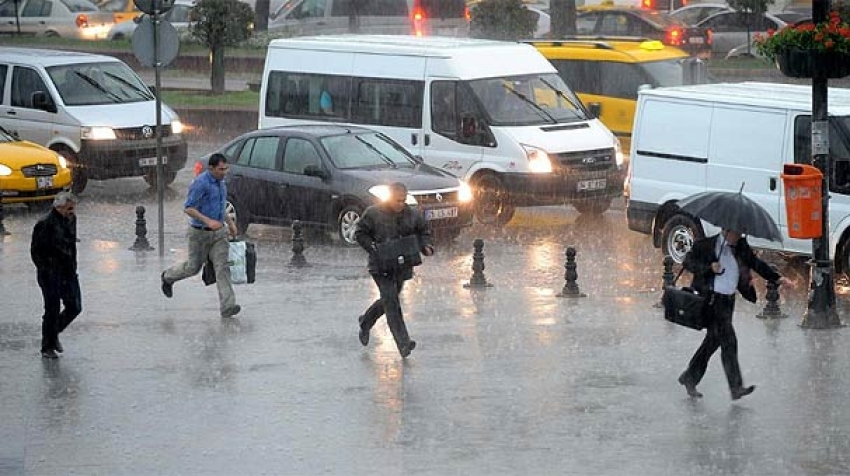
{"x": 800, "y": 63}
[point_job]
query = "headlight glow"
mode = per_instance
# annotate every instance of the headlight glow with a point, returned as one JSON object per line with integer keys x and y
{"x": 63, "y": 162}
{"x": 538, "y": 160}
{"x": 464, "y": 193}
{"x": 618, "y": 153}
{"x": 176, "y": 127}
{"x": 5, "y": 171}
{"x": 382, "y": 193}
{"x": 98, "y": 133}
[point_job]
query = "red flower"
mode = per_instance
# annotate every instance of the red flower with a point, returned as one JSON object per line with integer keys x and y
{"x": 829, "y": 44}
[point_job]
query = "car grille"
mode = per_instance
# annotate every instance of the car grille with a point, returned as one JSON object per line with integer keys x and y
{"x": 431, "y": 198}
{"x": 587, "y": 160}
{"x": 39, "y": 170}
{"x": 138, "y": 133}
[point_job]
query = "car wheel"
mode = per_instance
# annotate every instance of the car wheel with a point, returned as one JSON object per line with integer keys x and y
{"x": 592, "y": 207}
{"x": 118, "y": 37}
{"x": 240, "y": 216}
{"x": 79, "y": 177}
{"x": 680, "y": 233}
{"x": 51, "y": 34}
{"x": 169, "y": 176}
{"x": 347, "y": 224}
{"x": 492, "y": 201}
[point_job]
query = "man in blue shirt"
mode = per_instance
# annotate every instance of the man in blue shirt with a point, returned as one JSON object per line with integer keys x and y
{"x": 208, "y": 235}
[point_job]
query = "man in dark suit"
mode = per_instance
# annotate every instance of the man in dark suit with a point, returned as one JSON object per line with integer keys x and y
{"x": 720, "y": 265}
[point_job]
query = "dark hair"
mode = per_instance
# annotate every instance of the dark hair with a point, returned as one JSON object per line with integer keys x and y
{"x": 217, "y": 158}
{"x": 398, "y": 187}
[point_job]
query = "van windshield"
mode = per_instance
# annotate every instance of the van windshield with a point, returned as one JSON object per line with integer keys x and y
{"x": 90, "y": 84}
{"x": 369, "y": 150}
{"x": 528, "y": 100}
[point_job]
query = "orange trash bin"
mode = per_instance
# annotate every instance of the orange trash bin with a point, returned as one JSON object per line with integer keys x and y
{"x": 803, "y": 207}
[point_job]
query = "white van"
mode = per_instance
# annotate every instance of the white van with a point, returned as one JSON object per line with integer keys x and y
{"x": 493, "y": 113}
{"x": 691, "y": 139}
{"x": 92, "y": 109}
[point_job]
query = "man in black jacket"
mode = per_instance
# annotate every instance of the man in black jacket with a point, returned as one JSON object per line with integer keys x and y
{"x": 54, "y": 253}
{"x": 380, "y": 223}
{"x": 720, "y": 265}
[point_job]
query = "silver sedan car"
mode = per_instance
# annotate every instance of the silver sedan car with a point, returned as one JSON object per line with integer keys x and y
{"x": 78, "y": 19}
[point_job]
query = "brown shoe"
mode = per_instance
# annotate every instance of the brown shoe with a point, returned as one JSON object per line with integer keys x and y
{"x": 737, "y": 393}
{"x": 690, "y": 388}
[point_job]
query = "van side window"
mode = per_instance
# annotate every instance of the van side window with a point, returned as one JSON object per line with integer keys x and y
{"x": 838, "y": 150}
{"x": 444, "y": 118}
{"x": 3, "y": 70}
{"x": 298, "y": 154}
{"x": 315, "y": 96}
{"x": 388, "y": 102}
{"x": 25, "y": 82}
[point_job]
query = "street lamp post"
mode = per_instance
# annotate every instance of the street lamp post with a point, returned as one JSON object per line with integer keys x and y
{"x": 821, "y": 312}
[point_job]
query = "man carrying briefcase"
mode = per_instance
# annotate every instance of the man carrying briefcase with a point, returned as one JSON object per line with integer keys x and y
{"x": 393, "y": 234}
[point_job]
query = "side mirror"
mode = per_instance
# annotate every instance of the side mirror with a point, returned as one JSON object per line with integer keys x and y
{"x": 468, "y": 127}
{"x": 40, "y": 101}
{"x": 316, "y": 171}
{"x": 595, "y": 109}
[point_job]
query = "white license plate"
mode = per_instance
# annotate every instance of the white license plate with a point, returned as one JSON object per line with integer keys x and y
{"x": 696, "y": 40}
{"x": 589, "y": 185}
{"x": 439, "y": 213}
{"x": 151, "y": 161}
{"x": 44, "y": 182}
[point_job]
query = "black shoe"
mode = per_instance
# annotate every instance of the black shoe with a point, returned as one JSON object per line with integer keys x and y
{"x": 405, "y": 351}
{"x": 59, "y": 346}
{"x": 690, "y": 388}
{"x": 49, "y": 354}
{"x": 364, "y": 336}
{"x": 231, "y": 311}
{"x": 737, "y": 393}
{"x": 167, "y": 288}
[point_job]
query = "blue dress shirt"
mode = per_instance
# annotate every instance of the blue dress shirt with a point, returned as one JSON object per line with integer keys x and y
{"x": 208, "y": 196}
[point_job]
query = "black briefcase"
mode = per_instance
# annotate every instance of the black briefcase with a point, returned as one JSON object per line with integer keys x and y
{"x": 685, "y": 307}
{"x": 398, "y": 253}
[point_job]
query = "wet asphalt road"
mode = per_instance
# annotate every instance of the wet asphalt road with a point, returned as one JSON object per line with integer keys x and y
{"x": 509, "y": 380}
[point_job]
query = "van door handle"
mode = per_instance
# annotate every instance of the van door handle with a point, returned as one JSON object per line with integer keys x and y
{"x": 427, "y": 139}
{"x": 772, "y": 184}
{"x": 414, "y": 139}
{"x": 12, "y": 112}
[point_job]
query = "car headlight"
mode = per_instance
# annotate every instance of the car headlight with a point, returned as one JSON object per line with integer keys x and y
{"x": 538, "y": 160}
{"x": 382, "y": 193}
{"x": 98, "y": 133}
{"x": 464, "y": 193}
{"x": 63, "y": 162}
{"x": 176, "y": 127}
{"x": 5, "y": 171}
{"x": 618, "y": 153}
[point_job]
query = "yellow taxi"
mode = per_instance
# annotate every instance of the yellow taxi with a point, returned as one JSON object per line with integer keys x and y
{"x": 606, "y": 74}
{"x": 30, "y": 173}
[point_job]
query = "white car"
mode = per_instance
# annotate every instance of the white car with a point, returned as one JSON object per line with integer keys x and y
{"x": 178, "y": 16}
{"x": 697, "y": 12}
{"x": 729, "y": 29}
{"x": 78, "y": 19}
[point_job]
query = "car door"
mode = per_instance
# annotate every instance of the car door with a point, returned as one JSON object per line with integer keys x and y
{"x": 446, "y": 148}
{"x": 308, "y": 197}
{"x": 8, "y": 22}
{"x": 35, "y": 15}
{"x": 255, "y": 180}
{"x": 19, "y": 116}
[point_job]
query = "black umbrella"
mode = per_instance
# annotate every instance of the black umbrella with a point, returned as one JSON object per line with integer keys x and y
{"x": 732, "y": 211}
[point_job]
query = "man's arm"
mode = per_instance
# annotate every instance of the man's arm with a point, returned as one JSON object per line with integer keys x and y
{"x": 423, "y": 231}
{"x": 364, "y": 233}
{"x": 697, "y": 262}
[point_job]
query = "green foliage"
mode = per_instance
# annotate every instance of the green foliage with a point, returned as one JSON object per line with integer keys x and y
{"x": 502, "y": 20}
{"x": 832, "y": 35}
{"x": 222, "y": 22}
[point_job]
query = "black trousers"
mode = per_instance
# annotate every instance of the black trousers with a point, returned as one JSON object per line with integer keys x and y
{"x": 389, "y": 287}
{"x": 58, "y": 289}
{"x": 719, "y": 333}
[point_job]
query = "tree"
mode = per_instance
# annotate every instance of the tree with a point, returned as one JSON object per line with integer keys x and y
{"x": 221, "y": 23}
{"x": 563, "y": 18}
{"x": 502, "y": 20}
{"x": 751, "y": 9}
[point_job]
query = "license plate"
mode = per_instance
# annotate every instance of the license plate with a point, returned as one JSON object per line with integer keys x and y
{"x": 151, "y": 161}
{"x": 696, "y": 40}
{"x": 44, "y": 182}
{"x": 589, "y": 185}
{"x": 439, "y": 213}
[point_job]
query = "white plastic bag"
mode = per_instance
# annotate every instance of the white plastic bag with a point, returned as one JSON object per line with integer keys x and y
{"x": 238, "y": 262}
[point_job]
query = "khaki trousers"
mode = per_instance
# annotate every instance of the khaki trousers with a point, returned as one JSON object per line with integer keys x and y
{"x": 205, "y": 244}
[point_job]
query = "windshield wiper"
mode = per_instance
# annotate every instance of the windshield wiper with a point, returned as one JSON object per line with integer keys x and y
{"x": 99, "y": 87}
{"x": 561, "y": 94}
{"x": 380, "y": 154}
{"x": 537, "y": 107}
{"x": 143, "y": 93}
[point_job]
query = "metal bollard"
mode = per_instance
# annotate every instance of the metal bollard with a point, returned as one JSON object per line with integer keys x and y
{"x": 771, "y": 309}
{"x": 667, "y": 278}
{"x": 3, "y": 231}
{"x": 571, "y": 275}
{"x": 141, "y": 243}
{"x": 477, "y": 280}
{"x": 298, "y": 260}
